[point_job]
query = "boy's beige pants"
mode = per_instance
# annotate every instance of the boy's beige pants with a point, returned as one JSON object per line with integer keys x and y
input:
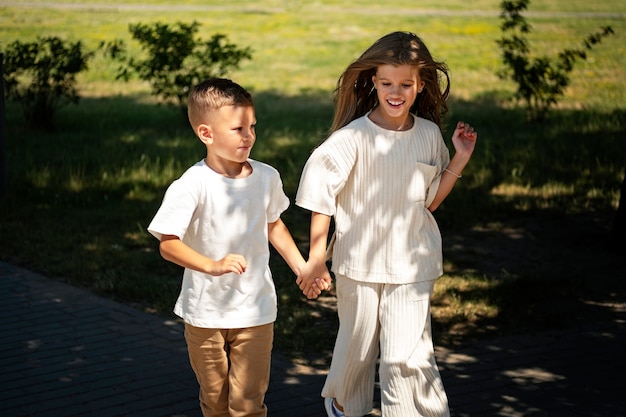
{"x": 232, "y": 367}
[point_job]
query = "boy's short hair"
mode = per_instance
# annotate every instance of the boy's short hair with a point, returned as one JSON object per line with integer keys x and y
{"x": 211, "y": 95}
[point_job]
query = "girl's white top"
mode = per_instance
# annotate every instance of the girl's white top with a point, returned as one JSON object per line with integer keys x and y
{"x": 378, "y": 185}
{"x": 216, "y": 216}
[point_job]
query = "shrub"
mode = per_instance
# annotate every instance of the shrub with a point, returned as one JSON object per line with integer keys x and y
{"x": 176, "y": 61}
{"x": 540, "y": 81}
{"x": 41, "y": 76}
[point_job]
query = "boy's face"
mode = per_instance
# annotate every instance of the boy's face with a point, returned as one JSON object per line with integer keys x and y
{"x": 230, "y": 134}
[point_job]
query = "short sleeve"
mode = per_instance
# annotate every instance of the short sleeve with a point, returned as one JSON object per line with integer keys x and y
{"x": 279, "y": 202}
{"x": 325, "y": 173}
{"x": 175, "y": 213}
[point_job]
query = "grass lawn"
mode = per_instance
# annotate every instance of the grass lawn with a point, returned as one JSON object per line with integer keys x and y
{"x": 526, "y": 231}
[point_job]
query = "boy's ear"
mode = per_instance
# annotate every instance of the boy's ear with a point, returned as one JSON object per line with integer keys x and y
{"x": 205, "y": 134}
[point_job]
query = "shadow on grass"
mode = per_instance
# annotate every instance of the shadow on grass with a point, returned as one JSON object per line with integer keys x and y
{"x": 81, "y": 197}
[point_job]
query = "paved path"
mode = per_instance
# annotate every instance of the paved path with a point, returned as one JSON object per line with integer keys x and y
{"x": 66, "y": 352}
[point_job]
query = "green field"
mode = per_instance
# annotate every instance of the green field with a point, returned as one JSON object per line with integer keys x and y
{"x": 79, "y": 198}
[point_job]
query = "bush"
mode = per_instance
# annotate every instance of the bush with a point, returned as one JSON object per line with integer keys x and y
{"x": 41, "y": 76}
{"x": 540, "y": 82}
{"x": 176, "y": 61}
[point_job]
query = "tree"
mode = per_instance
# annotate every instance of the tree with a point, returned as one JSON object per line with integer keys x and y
{"x": 41, "y": 76}
{"x": 540, "y": 81}
{"x": 176, "y": 61}
{"x": 619, "y": 224}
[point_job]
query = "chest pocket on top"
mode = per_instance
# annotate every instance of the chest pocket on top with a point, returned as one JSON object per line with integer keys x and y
{"x": 419, "y": 181}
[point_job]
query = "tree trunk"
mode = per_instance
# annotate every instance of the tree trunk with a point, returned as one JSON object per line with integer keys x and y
{"x": 619, "y": 225}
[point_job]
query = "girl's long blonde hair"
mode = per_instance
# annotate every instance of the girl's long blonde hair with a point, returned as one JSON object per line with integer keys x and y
{"x": 355, "y": 95}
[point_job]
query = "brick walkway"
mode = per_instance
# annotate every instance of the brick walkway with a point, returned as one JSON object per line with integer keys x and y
{"x": 66, "y": 352}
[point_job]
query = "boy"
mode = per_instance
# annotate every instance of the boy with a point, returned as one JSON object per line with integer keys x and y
{"x": 215, "y": 221}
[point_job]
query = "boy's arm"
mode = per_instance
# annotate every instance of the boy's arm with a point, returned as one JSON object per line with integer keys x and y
{"x": 174, "y": 250}
{"x": 281, "y": 239}
{"x": 315, "y": 276}
{"x": 464, "y": 141}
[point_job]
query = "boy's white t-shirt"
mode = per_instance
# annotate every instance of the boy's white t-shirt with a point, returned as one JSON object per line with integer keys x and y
{"x": 216, "y": 216}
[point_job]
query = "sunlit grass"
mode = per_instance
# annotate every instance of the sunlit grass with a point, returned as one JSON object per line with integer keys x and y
{"x": 546, "y": 191}
{"x": 462, "y": 304}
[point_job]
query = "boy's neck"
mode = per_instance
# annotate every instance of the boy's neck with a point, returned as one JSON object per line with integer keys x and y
{"x": 230, "y": 169}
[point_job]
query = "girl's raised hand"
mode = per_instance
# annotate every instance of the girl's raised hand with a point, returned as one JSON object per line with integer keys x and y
{"x": 464, "y": 139}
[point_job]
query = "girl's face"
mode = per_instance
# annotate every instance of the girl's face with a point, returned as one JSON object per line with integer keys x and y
{"x": 397, "y": 88}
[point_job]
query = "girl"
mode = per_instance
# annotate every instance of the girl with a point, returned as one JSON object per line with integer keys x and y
{"x": 382, "y": 172}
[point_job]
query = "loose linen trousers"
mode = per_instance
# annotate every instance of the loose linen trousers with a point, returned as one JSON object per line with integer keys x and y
{"x": 396, "y": 318}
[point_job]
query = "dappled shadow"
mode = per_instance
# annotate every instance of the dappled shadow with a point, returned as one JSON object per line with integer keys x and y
{"x": 535, "y": 226}
{"x": 507, "y": 237}
{"x": 541, "y": 271}
{"x": 82, "y": 354}
{"x": 112, "y": 135}
{"x": 111, "y": 159}
{"x": 101, "y": 175}
{"x": 540, "y": 373}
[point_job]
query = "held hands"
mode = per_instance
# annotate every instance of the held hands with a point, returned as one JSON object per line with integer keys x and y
{"x": 314, "y": 278}
{"x": 464, "y": 139}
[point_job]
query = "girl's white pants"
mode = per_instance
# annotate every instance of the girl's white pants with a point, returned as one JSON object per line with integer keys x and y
{"x": 396, "y": 318}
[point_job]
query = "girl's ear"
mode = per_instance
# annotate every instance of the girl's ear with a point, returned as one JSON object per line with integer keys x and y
{"x": 205, "y": 134}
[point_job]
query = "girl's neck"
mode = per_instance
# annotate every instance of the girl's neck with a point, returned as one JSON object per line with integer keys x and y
{"x": 402, "y": 123}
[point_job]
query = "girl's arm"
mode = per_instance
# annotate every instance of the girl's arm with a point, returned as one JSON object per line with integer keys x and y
{"x": 281, "y": 239}
{"x": 464, "y": 141}
{"x": 315, "y": 276}
{"x": 174, "y": 250}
